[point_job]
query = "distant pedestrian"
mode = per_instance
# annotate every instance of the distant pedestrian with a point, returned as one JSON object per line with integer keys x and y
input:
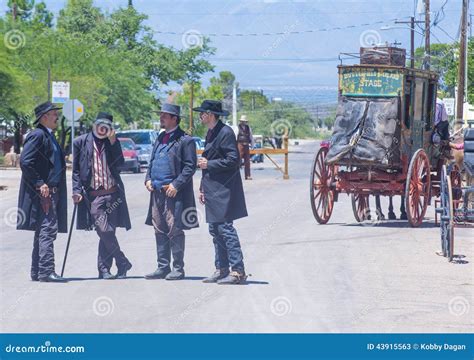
{"x": 100, "y": 194}
{"x": 245, "y": 142}
{"x": 42, "y": 200}
{"x": 222, "y": 193}
{"x": 172, "y": 206}
{"x": 441, "y": 124}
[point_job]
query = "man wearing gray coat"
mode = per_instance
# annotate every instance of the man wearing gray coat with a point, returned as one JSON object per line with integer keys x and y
{"x": 172, "y": 206}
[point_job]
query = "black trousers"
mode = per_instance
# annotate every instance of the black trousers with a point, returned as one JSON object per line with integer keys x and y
{"x": 104, "y": 211}
{"x": 169, "y": 238}
{"x": 42, "y": 257}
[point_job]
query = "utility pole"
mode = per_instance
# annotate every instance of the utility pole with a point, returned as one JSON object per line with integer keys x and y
{"x": 427, "y": 35}
{"x": 462, "y": 66}
{"x": 412, "y": 23}
{"x": 49, "y": 83}
{"x": 14, "y": 11}
{"x": 234, "y": 105}
{"x": 191, "y": 104}
{"x": 18, "y": 122}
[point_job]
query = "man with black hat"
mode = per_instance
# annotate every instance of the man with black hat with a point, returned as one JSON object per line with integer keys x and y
{"x": 42, "y": 201}
{"x": 222, "y": 193}
{"x": 244, "y": 143}
{"x": 100, "y": 194}
{"x": 172, "y": 206}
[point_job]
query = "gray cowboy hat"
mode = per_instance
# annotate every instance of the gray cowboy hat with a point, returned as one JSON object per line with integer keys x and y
{"x": 170, "y": 109}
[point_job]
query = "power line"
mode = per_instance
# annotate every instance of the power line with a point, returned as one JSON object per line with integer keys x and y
{"x": 274, "y": 33}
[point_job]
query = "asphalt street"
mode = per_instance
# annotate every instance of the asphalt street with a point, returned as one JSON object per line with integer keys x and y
{"x": 306, "y": 277}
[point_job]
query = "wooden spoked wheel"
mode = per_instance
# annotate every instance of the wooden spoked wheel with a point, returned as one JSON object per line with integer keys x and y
{"x": 360, "y": 207}
{"x": 321, "y": 191}
{"x": 456, "y": 181}
{"x": 417, "y": 189}
{"x": 447, "y": 215}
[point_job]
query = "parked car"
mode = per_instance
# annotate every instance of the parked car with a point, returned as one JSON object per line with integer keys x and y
{"x": 258, "y": 144}
{"x": 144, "y": 140}
{"x": 130, "y": 155}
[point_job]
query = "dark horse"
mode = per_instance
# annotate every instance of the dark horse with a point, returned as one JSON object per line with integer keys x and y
{"x": 391, "y": 214}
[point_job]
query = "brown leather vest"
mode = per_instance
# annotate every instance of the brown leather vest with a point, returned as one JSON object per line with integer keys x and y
{"x": 244, "y": 134}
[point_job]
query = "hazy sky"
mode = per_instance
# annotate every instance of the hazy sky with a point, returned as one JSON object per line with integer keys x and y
{"x": 288, "y": 60}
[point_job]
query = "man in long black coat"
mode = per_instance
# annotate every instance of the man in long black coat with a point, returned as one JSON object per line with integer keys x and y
{"x": 42, "y": 201}
{"x": 100, "y": 194}
{"x": 222, "y": 193}
{"x": 172, "y": 206}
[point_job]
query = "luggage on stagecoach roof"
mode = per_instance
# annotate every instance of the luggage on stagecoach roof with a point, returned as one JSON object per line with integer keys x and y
{"x": 382, "y": 55}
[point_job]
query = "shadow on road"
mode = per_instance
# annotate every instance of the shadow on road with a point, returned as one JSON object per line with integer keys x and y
{"x": 391, "y": 224}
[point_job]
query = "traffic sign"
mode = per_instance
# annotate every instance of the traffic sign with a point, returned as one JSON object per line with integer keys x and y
{"x": 449, "y": 105}
{"x": 73, "y": 110}
{"x": 60, "y": 91}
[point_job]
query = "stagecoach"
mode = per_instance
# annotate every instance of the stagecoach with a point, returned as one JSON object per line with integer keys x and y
{"x": 382, "y": 138}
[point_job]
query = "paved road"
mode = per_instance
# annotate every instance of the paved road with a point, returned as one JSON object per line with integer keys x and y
{"x": 339, "y": 277}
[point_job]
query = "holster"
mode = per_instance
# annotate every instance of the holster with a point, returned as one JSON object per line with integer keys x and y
{"x": 46, "y": 203}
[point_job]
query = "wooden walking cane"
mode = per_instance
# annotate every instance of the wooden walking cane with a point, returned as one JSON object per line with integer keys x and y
{"x": 69, "y": 238}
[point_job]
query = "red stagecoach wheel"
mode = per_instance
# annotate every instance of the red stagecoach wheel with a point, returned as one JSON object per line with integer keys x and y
{"x": 360, "y": 207}
{"x": 321, "y": 193}
{"x": 417, "y": 190}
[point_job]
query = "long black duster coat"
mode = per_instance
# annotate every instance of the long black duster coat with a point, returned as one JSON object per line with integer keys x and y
{"x": 221, "y": 181}
{"x": 82, "y": 175}
{"x": 37, "y": 166}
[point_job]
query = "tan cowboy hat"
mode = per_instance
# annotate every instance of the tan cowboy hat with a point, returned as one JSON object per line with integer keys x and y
{"x": 244, "y": 118}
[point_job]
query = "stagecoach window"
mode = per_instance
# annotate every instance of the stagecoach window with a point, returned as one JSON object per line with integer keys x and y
{"x": 419, "y": 86}
{"x": 430, "y": 107}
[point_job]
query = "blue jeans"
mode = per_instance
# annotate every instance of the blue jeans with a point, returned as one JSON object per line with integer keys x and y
{"x": 227, "y": 247}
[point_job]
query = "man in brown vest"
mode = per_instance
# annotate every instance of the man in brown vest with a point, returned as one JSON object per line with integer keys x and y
{"x": 244, "y": 141}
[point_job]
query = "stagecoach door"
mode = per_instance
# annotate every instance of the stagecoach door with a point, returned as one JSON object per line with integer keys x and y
{"x": 419, "y": 114}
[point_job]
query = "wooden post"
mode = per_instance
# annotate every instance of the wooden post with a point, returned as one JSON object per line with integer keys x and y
{"x": 285, "y": 146}
{"x": 462, "y": 68}
{"x": 427, "y": 35}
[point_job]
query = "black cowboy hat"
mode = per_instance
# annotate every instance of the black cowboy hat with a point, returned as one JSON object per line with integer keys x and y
{"x": 43, "y": 108}
{"x": 104, "y": 117}
{"x": 212, "y": 106}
